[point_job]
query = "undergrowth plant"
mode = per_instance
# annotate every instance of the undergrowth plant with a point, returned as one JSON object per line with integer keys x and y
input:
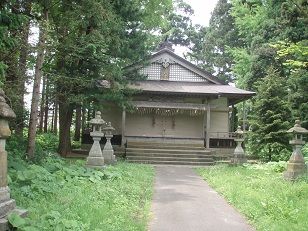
{"x": 62, "y": 194}
{"x": 262, "y": 195}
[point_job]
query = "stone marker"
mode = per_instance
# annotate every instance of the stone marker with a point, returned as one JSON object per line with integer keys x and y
{"x": 95, "y": 158}
{"x": 296, "y": 165}
{"x": 108, "y": 152}
{"x": 7, "y": 205}
{"x": 239, "y": 156}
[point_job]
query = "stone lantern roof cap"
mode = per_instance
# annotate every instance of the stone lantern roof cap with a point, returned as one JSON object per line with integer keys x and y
{"x": 298, "y": 128}
{"x": 109, "y": 127}
{"x": 97, "y": 120}
{"x": 5, "y": 110}
{"x": 239, "y": 130}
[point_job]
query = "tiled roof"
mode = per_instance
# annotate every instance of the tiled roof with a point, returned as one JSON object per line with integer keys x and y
{"x": 189, "y": 88}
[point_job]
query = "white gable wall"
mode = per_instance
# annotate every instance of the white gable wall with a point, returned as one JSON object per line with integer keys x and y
{"x": 178, "y": 70}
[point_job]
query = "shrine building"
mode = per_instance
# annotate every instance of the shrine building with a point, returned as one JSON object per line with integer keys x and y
{"x": 178, "y": 103}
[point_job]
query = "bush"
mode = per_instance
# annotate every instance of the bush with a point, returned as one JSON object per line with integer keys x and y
{"x": 270, "y": 152}
{"x": 62, "y": 194}
{"x": 305, "y": 150}
{"x": 45, "y": 144}
{"x": 47, "y": 141}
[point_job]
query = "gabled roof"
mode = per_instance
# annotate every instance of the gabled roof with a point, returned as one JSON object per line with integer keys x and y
{"x": 186, "y": 64}
{"x": 211, "y": 86}
{"x": 192, "y": 88}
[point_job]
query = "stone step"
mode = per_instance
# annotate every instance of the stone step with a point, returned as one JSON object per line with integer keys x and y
{"x": 6, "y": 207}
{"x": 173, "y": 162}
{"x": 167, "y": 158}
{"x": 167, "y": 144}
{"x": 173, "y": 146}
{"x": 174, "y": 155}
{"x": 177, "y": 151}
{"x": 84, "y": 153}
{"x": 169, "y": 153}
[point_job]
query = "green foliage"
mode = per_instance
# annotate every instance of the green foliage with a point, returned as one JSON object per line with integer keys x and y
{"x": 210, "y": 43}
{"x": 46, "y": 144}
{"x": 246, "y": 41}
{"x": 305, "y": 150}
{"x": 48, "y": 141}
{"x": 106, "y": 37}
{"x": 64, "y": 195}
{"x": 10, "y": 20}
{"x": 262, "y": 195}
{"x": 268, "y": 138}
{"x": 294, "y": 58}
{"x": 294, "y": 54}
{"x": 279, "y": 167}
{"x": 242, "y": 67}
{"x": 179, "y": 29}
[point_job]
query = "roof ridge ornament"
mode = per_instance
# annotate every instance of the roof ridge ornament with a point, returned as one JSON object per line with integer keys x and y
{"x": 165, "y": 61}
{"x": 165, "y": 45}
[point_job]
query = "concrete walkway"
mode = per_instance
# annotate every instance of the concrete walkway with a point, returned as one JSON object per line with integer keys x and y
{"x": 184, "y": 202}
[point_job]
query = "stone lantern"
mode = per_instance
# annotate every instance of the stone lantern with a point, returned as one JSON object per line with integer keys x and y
{"x": 296, "y": 165}
{"x": 7, "y": 205}
{"x": 95, "y": 158}
{"x": 108, "y": 152}
{"x": 239, "y": 153}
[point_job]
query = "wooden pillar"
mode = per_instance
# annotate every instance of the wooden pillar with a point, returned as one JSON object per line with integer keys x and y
{"x": 244, "y": 117}
{"x": 123, "y": 126}
{"x": 208, "y": 125}
{"x": 204, "y": 124}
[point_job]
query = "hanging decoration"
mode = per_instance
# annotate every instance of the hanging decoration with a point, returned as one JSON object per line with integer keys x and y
{"x": 173, "y": 122}
{"x": 153, "y": 121}
{"x": 168, "y": 112}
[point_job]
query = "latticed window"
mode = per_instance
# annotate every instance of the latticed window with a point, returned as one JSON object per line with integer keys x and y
{"x": 174, "y": 72}
{"x": 152, "y": 71}
{"x": 179, "y": 73}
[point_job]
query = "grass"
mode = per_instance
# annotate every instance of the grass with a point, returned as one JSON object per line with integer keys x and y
{"x": 63, "y": 195}
{"x": 260, "y": 193}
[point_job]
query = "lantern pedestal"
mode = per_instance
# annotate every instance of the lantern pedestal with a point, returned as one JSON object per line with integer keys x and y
{"x": 95, "y": 158}
{"x": 239, "y": 156}
{"x": 296, "y": 165}
{"x": 108, "y": 152}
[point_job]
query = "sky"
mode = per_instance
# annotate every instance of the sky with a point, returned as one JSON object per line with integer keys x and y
{"x": 203, "y": 10}
{"x": 202, "y": 13}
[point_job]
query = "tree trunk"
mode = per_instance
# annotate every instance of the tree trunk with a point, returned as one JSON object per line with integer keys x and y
{"x": 52, "y": 119}
{"x": 77, "y": 124}
{"x": 36, "y": 87}
{"x": 83, "y": 119}
{"x": 55, "y": 119}
{"x": 46, "y": 109}
{"x": 65, "y": 121}
{"x": 40, "y": 127}
{"x": 89, "y": 116}
{"x": 23, "y": 71}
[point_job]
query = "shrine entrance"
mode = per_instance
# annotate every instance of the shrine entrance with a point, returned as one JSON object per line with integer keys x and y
{"x": 165, "y": 125}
